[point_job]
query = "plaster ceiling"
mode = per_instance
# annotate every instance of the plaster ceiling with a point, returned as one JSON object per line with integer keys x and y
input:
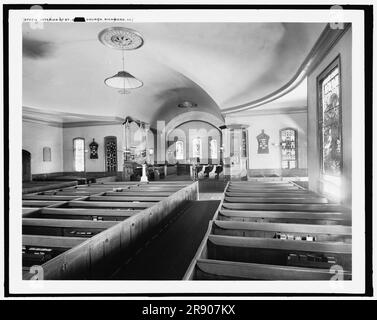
{"x": 216, "y": 65}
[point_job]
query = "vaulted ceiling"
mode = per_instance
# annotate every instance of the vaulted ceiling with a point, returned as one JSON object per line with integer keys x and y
{"x": 216, "y": 65}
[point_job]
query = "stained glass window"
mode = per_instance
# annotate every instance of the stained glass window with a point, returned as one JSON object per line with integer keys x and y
{"x": 288, "y": 143}
{"x": 79, "y": 154}
{"x": 111, "y": 162}
{"x": 196, "y": 148}
{"x": 213, "y": 149}
{"x": 179, "y": 150}
{"x": 330, "y": 128}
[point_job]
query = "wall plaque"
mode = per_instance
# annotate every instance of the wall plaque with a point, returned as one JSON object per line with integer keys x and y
{"x": 93, "y": 150}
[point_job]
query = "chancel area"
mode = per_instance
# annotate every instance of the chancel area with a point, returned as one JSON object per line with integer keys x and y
{"x": 186, "y": 151}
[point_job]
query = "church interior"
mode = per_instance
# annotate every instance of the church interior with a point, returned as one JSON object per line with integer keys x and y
{"x": 186, "y": 151}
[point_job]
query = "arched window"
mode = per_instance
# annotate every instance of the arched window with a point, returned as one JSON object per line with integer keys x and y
{"x": 330, "y": 120}
{"x": 288, "y": 143}
{"x": 213, "y": 149}
{"x": 196, "y": 148}
{"x": 79, "y": 154}
{"x": 179, "y": 151}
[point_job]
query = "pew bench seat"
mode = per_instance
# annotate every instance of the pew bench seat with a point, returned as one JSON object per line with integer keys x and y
{"x": 322, "y": 233}
{"x": 299, "y": 217}
{"x": 39, "y": 203}
{"x": 98, "y": 204}
{"x": 87, "y": 214}
{"x": 268, "y": 199}
{"x": 51, "y": 242}
{"x": 125, "y": 198}
{"x": 51, "y": 197}
{"x": 207, "y": 269}
{"x": 275, "y": 251}
{"x": 316, "y": 207}
{"x": 293, "y": 194}
{"x": 64, "y": 227}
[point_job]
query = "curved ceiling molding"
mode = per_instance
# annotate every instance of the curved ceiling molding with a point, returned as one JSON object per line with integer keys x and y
{"x": 325, "y": 42}
{"x": 193, "y": 116}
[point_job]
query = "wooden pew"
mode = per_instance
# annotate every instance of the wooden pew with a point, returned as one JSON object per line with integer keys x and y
{"x": 26, "y": 211}
{"x": 97, "y": 204}
{"x": 86, "y": 214}
{"x": 97, "y": 256}
{"x": 321, "y": 218}
{"x": 293, "y": 194}
{"x": 133, "y": 183}
{"x": 275, "y": 200}
{"x": 275, "y": 251}
{"x": 268, "y": 199}
{"x": 40, "y": 249}
{"x": 39, "y": 203}
{"x": 137, "y": 193}
{"x": 321, "y": 233}
{"x": 69, "y": 193}
{"x": 284, "y": 207}
{"x": 51, "y": 242}
{"x": 66, "y": 227}
{"x": 207, "y": 269}
{"x": 125, "y": 198}
{"x": 245, "y": 184}
{"x": 51, "y": 197}
{"x": 157, "y": 189}
{"x": 264, "y": 190}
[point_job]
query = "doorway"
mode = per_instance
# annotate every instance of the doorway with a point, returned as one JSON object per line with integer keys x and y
{"x": 26, "y": 166}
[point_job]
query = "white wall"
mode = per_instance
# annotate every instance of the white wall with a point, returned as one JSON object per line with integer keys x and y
{"x": 316, "y": 181}
{"x": 271, "y": 124}
{"x": 88, "y": 133}
{"x": 35, "y": 136}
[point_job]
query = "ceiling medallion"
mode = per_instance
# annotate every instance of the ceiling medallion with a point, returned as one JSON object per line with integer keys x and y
{"x": 187, "y": 104}
{"x": 121, "y": 38}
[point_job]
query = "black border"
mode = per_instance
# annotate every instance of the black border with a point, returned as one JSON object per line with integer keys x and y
{"x": 368, "y": 40}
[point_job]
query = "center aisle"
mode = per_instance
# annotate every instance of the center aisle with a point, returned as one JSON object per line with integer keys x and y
{"x": 168, "y": 254}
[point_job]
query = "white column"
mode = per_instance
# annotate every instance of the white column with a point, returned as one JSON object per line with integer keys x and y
{"x": 146, "y": 131}
{"x": 144, "y": 177}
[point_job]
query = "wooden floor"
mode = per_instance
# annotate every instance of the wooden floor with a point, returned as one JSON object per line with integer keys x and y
{"x": 274, "y": 231}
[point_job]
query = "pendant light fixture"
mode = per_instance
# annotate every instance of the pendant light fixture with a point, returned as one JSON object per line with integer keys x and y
{"x": 122, "y": 39}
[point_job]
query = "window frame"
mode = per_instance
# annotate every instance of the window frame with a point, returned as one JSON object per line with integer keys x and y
{"x": 74, "y": 154}
{"x": 183, "y": 150}
{"x": 210, "y": 149}
{"x": 336, "y": 63}
{"x": 296, "y": 147}
{"x": 201, "y": 148}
